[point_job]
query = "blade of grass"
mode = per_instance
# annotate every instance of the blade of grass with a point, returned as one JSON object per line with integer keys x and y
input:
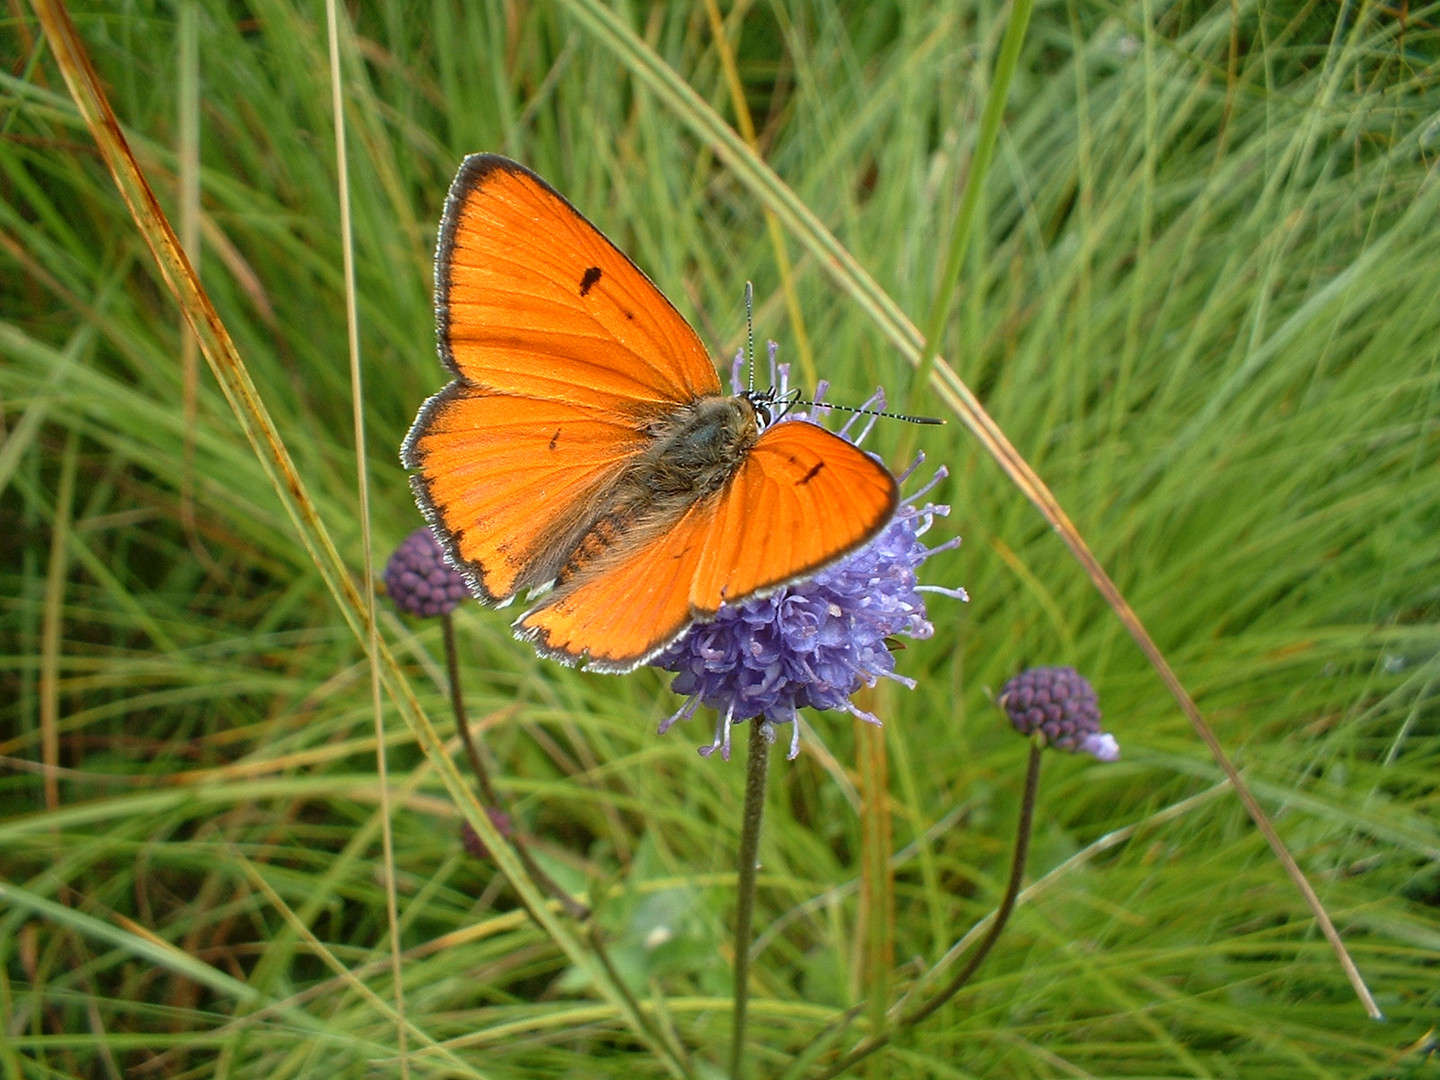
{"x": 786, "y": 272}
{"x": 188, "y": 153}
{"x": 990, "y": 120}
{"x": 50, "y": 626}
{"x": 147, "y": 947}
{"x": 318, "y": 948}
{"x": 362, "y": 485}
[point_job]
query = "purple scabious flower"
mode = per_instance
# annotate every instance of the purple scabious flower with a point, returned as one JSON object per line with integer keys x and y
{"x": 1061, "y": 705}
{"x": 420, "y": 581}
{"x": 814, "y": 643}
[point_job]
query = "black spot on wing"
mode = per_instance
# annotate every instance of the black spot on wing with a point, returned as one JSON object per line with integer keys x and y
{"x": 814, "y": 469}
{"x": 554, "y": 438}
{"x": 588, "y": 280}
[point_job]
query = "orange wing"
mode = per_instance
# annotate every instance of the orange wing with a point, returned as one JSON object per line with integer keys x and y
{"x": 803, "y": 498}
{"x": 510, "y": 481}
{"x": 563, "y": 353}
{"x": 532, "y": 300}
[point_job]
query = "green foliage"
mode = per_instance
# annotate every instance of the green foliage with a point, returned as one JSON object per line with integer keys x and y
{"x": 1201, "y": 299}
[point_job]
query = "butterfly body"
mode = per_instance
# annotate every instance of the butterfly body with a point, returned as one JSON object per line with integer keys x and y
{"x": 585, "y": 448}
{"x": 699, "y": 448}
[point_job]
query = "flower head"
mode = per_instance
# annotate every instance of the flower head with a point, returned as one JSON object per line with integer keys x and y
{"x": 1061, "y": 704}
{"x": 420, "y": 581}
{"x": 815, "y": 642}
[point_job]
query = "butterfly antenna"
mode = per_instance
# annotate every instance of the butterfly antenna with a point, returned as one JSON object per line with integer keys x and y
{"x": 750, "y": 331}
{"x": 868, "y": 412}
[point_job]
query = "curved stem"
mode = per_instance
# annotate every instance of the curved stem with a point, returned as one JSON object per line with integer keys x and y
{"x": 757, "y": 767}
{"x": 1002, "y": 916}
{"x": 457, "y": 705}
{"x": 488, "y": 795}
{"x": 1007, "y": 905}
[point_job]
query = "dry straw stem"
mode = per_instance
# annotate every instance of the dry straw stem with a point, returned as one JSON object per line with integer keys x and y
{"x": 362, "y": 485}
{"x": 224, "y": 360}
{"x": 777, "y": 197}
{"x": 805, "y": 355}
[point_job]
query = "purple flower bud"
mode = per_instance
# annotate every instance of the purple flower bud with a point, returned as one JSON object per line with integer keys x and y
{"x": 1061, "y": 704}
{"x": 420, "y": 581}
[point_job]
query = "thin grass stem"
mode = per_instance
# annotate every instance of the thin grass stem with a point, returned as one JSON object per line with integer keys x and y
{"x": 362, "y": 487}
{"x": 757, "y": 767}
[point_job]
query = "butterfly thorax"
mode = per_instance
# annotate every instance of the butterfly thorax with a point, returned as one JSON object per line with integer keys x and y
{"x": 693, "y": 453}
{"x": 697, "y": 449}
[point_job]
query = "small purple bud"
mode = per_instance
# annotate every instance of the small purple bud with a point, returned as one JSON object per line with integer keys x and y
{"x": 420, "y": 581}
{"x": 1061, "y": 704}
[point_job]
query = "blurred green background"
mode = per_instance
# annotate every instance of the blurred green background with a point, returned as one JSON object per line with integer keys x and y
{"x": 1202, "y": 297}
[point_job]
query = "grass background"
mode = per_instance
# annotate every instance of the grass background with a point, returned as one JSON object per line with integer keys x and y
{"x": 1201, "y": 298}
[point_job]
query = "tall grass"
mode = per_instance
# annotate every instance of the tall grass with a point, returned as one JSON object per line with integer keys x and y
{"x": 1201, "y": 300}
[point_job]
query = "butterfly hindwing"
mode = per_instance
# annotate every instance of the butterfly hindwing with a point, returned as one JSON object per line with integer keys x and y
{"x": 802, "y": 498}
{"x": 508, "y": 482}
{"x": 629, "y": 604}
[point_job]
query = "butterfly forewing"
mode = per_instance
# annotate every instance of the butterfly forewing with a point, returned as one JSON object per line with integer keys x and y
{"x": 532, "y": 299}
{"x": 803, "y": 498}
{"x": 564, "y": 354}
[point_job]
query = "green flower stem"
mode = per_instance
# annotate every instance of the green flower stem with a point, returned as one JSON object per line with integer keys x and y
{"x": 757, "y": 768}
{"x": 576, "y": 910}
{"x": 457, "y": 705}
{"x": 491, "y": 798}
{"x": 1002, "y": 916}
{"x": 1012, "y": 892}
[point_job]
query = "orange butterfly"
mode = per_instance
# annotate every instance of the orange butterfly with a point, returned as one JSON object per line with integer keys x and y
{"x": 585, "y": 447}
